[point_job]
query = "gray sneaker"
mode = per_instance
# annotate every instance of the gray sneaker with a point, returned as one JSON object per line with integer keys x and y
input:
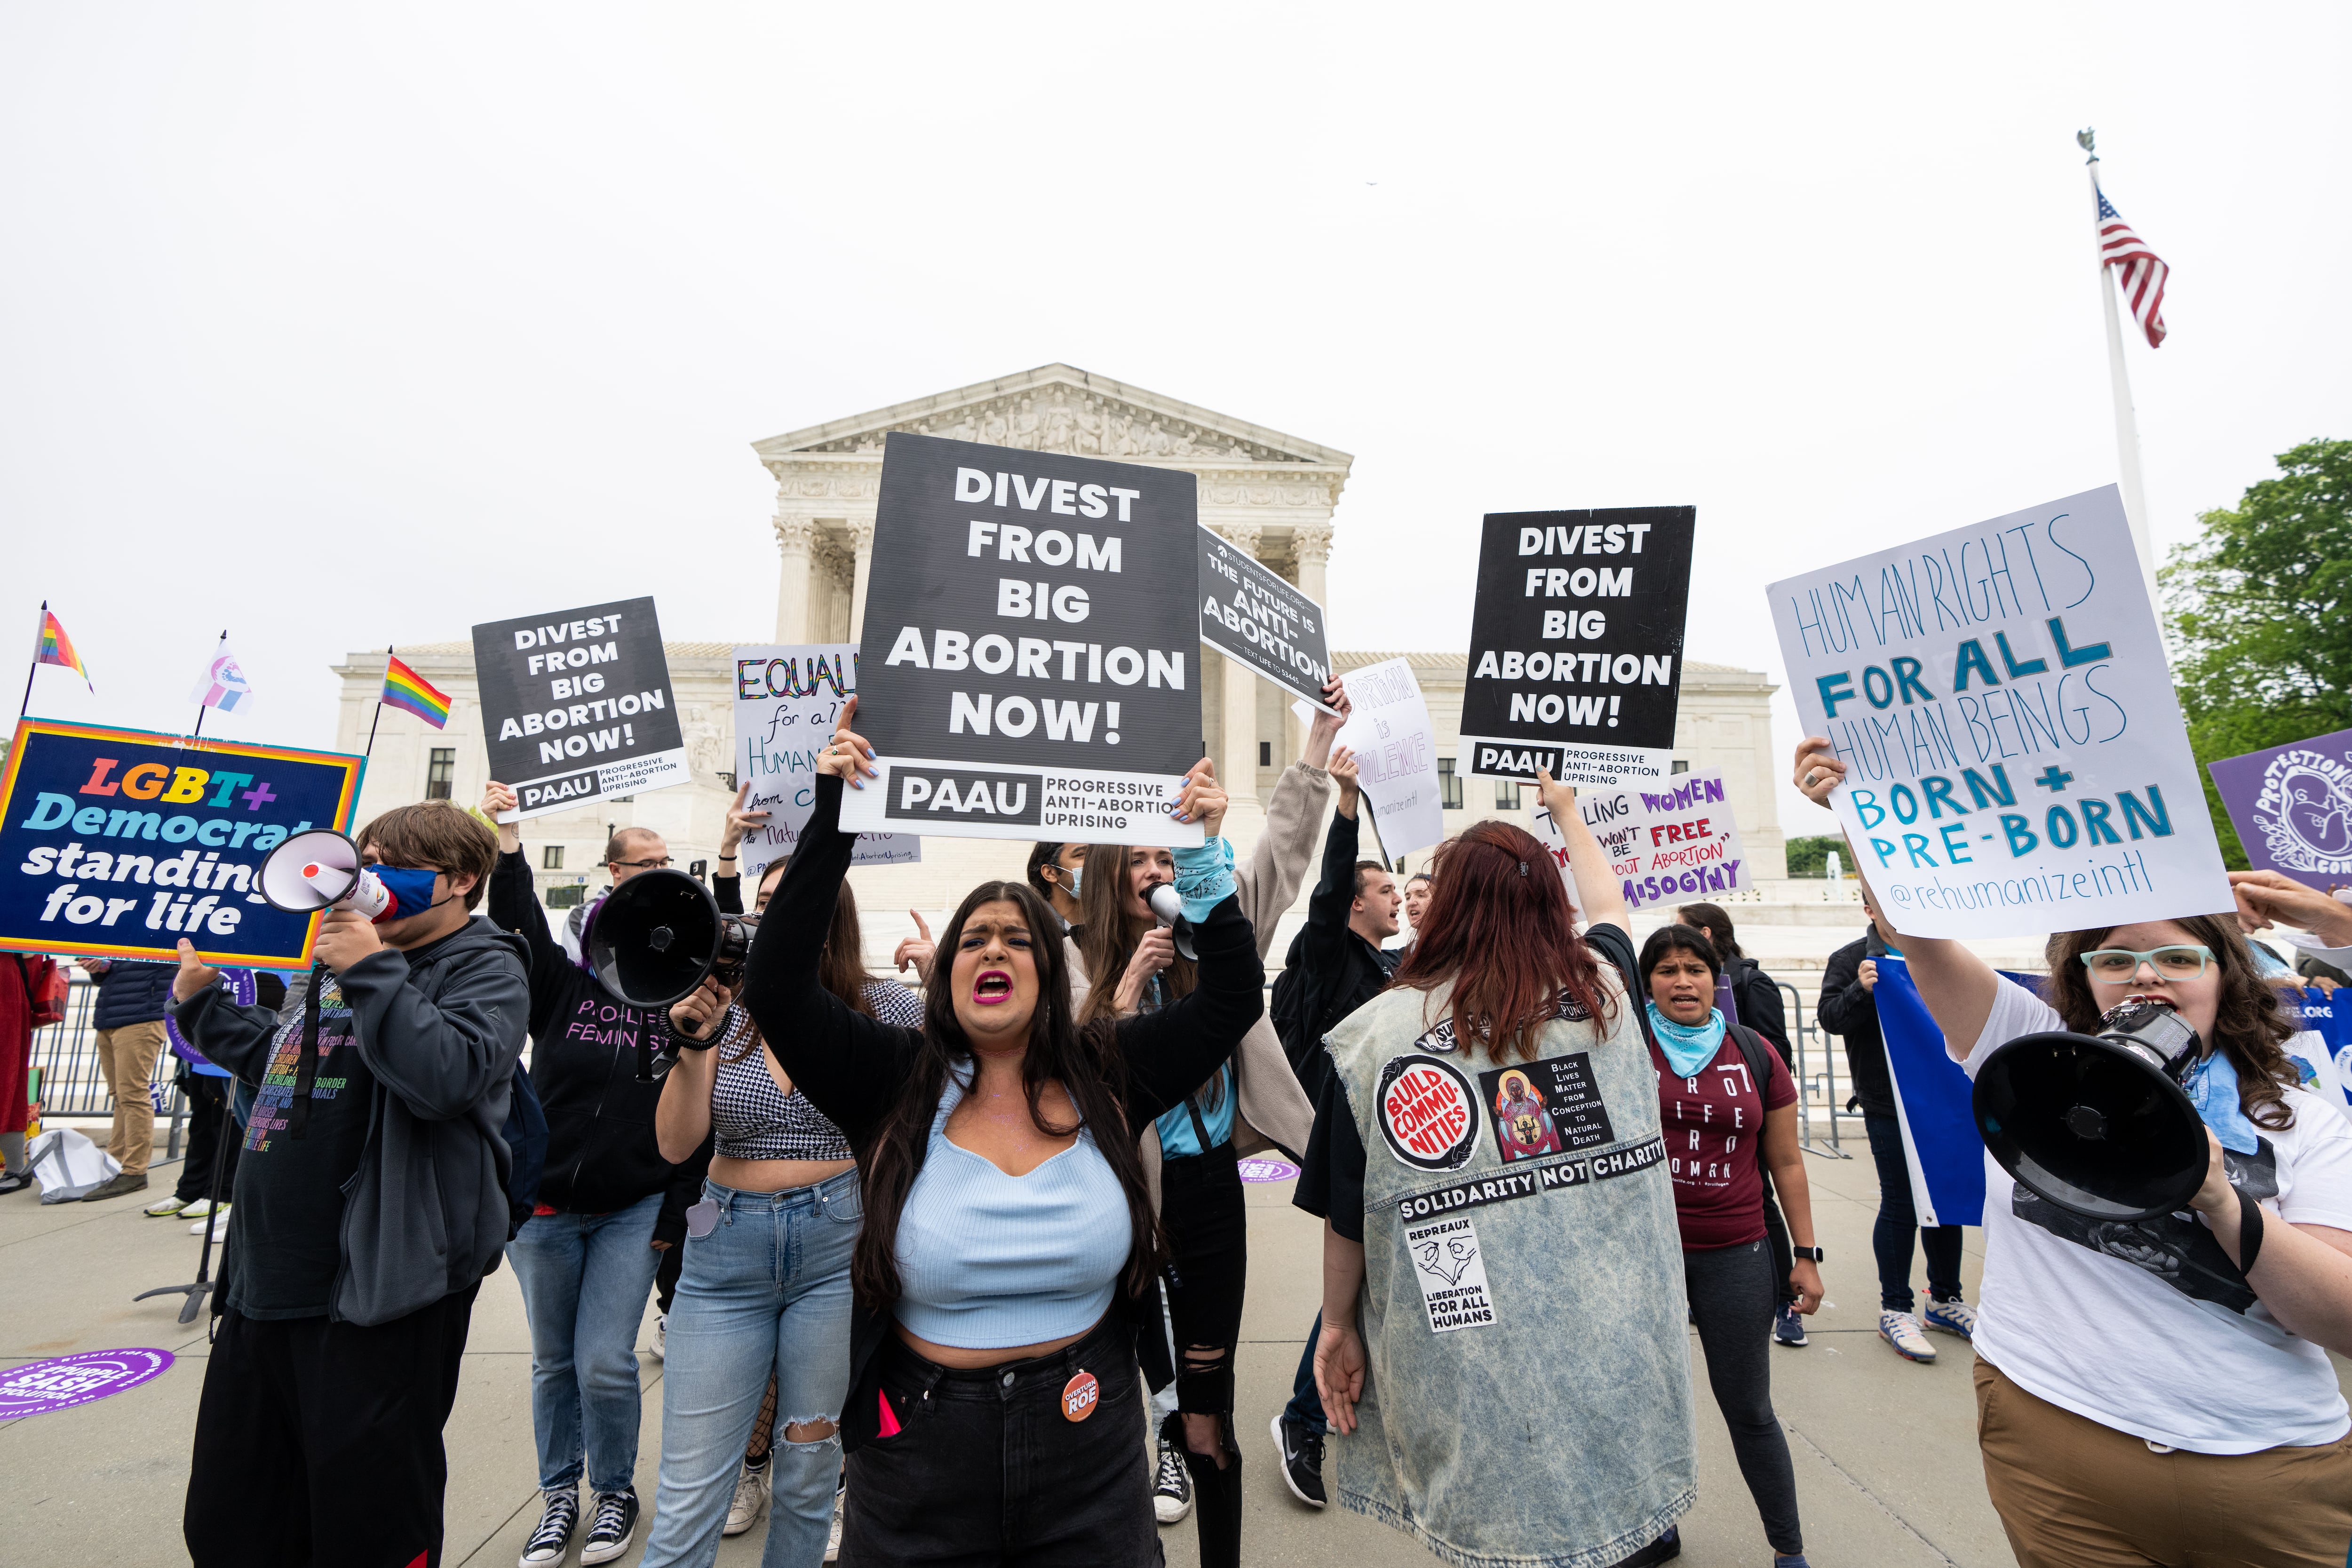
{"x": 116, "y": 1186}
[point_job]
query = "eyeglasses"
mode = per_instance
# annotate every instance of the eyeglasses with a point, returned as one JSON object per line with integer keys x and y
{"x": 647, "y": 864}
{"x": 2117, "y": 965}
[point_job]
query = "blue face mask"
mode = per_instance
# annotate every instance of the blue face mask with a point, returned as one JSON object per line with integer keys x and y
{"x": 411, "y": 890}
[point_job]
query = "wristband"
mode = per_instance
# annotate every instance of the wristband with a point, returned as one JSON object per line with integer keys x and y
{"x": 2249, "y": 1232}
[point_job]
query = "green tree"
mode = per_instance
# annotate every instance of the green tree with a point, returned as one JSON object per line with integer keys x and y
{"x": 1809, "y": 856}
{"x": 2261, "y": 630}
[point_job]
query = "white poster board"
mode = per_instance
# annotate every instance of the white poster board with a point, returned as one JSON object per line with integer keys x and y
{"x": 1668, "y": 844}
{"x": 1396, "y": 755}
{"x": 2017, "y": 760}
{"x": 787, "y": 697}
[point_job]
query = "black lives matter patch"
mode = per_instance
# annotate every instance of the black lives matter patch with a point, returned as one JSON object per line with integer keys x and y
{"x": 1427, "y": 1112}
{"x": 1548, "y": 1107}
{"x": 1534, "y": 1180}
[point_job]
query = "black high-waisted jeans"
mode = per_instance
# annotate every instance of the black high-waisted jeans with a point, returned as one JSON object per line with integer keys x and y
{"x": 987, "y": 1469}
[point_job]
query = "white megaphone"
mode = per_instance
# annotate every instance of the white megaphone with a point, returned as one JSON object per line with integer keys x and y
{"x": 318, "y": 869}
{"x": 1168, "y": 906}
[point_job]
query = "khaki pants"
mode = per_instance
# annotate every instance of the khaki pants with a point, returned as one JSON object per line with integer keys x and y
{"x": 127, "y": 1057}
{"x": 2073, "y": 1494}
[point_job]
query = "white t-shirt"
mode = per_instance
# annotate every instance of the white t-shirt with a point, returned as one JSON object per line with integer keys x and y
{"x": 2069, "y": 1315}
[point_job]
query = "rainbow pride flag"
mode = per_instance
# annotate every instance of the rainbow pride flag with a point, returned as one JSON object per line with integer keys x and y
{"x": 53, "y": 647}
{"x": 411, "y": 693}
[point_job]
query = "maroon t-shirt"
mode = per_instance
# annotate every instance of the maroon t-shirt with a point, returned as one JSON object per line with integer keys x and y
{"x": 1714, "y": 1124}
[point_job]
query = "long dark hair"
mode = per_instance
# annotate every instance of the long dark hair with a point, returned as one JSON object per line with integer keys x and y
{"x": 840, "y": 969}
{"x": 1712, "y": 920}
{"x": 1108, "y": 931}
{"x": 1669, "y": 939}
{"x": 1085, "y": 1062}
{"x": 2248, "y": 1022}
{"x": 1499, "y": 926}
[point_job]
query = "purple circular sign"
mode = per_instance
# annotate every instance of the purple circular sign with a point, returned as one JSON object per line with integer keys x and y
{"x": 38, "y": 1387}
{"x": 1265, "y": 1169}
{"x": 238, "y": 984}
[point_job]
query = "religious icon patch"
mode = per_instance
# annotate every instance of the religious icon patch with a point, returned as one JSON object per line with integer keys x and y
{"x": 1453, "y": 1275}
{"x": 1427, "y": 1112}
{"x": 1547, "y": 1107}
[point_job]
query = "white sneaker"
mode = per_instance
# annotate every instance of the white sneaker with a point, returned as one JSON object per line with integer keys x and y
{"x": 1956, "y": 1317}
{"x": 751, "y": 1504}
{"x": 659, "y": 1349}
{"x": 833, "y": 1542}
{"x": 195, "y": 1210}
{"x": 1901, "y": 1330}
{"x": 167, "y": 1206}
{"x": 217, "y": 1219}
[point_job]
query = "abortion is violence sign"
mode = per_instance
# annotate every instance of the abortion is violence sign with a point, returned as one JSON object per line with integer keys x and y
{"x": 1029, "y": 665}
{"x": 577, "y": 704}
{"x": 787, "y": 699}
{"x": 1250, "y": 612}
{"x": 2016, "y": 761}
{"x": 1576, "y": 644}
{"x": 1666, "y": 842}
{"x": 120, "y": 842}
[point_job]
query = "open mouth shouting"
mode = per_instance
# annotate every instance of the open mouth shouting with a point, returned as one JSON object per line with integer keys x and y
{"x": 991, "y": 987}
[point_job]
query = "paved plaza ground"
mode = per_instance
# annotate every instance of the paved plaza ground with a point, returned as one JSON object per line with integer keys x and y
{"x": 1886, "y": 1456}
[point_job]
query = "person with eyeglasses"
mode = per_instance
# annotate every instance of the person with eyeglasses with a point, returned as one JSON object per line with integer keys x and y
{"x": 2160, "y": 1392}
{"x": 609, "y": 1207}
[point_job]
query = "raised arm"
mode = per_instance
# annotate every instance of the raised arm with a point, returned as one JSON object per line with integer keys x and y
{"x": 1171, "y": 1052}
{"x": 1958, "y": 987}
{"x": 1600, "y": 896}
{"x": 231, "y": 1037}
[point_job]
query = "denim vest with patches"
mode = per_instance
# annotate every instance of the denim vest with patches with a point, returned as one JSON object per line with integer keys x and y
{"x": 1527, "y": 1398}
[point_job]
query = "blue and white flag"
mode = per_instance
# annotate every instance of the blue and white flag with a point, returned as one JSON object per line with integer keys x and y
{"x": 1932, "y": 1100}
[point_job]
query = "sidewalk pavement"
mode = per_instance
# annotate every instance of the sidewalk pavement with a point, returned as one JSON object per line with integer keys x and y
{"x": 1885, "y": 1454}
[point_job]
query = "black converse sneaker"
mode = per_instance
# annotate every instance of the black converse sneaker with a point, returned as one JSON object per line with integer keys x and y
{"x": 1172, "y": 1488}
{"x": 1301, "y": 1449}
{"x": 552, "y": 1538}
{"x": 613, "y": 1527}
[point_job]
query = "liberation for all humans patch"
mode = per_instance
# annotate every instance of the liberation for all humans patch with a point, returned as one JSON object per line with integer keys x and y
{"x": 1548, "y": 1107}
{"x": 1427, "y": 1113}
{"x": 1534, "y": 1179}
{"x": 1453, "y": 1275}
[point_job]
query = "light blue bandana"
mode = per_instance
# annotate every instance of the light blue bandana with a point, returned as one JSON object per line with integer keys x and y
{"x": 1687, "y": 1047}
{"x": 2212, "y": 1086}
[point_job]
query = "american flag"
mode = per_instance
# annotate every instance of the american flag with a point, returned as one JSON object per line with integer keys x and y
{"x": 2144, "y": 272}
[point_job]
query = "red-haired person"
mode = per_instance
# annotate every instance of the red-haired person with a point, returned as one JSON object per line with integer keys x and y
{"x": 1468, "y": 1245}
{"x": 2160, "y": 1392}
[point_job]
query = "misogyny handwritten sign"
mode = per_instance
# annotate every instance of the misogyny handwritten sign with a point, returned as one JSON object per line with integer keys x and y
{"x": 2016, "y": 761}
{"x": 787, "y": 698}
{"x": 1667, "y": 841}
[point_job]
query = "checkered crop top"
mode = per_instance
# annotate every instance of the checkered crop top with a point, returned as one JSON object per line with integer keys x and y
{"x": 753, "y": 1120}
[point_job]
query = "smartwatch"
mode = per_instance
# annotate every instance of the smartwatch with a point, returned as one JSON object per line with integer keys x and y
{"x": 1814, "y": 1253}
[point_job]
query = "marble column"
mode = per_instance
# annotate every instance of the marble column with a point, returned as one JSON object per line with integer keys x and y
{"x": 794, "y": 535}
{"x": 861, "y": 538}
{"x": 1312, "y": 547}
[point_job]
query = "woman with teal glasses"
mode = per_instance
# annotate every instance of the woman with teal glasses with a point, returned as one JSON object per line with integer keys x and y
{"x": 2160, "y": 1392}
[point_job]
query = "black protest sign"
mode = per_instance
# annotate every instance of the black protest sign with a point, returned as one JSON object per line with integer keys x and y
{"x": 577, "y": 704}
{"x": 1576, "y": 643}
{"x": 1030, "y": 662}
{"x": 1249, "y": 613}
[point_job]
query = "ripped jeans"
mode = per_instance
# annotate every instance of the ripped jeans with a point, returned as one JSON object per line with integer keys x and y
{"x": 767, "y": 1291}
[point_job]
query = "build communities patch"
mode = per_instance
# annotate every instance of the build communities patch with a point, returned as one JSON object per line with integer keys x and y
{"x": 1453, "y": 1275}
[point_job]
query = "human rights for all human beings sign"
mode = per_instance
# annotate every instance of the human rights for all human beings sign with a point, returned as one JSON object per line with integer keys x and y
{"x": 577, "y": 704}
{"x": 2016, "y": 759}
{"x": 1576, "y": 644}
{"x": 1250, "y": 612}
{"x": 2291, "y": 806}
{"x": 788, "y": 697}
{"x": 120, "y": 842}
{"x": 1029, "y": 668}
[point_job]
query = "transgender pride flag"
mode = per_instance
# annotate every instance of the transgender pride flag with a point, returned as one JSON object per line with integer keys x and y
{"x": 223, "y": 685}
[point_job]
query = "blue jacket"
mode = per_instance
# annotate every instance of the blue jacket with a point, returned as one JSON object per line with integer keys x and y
{"x": 133, "y": 991}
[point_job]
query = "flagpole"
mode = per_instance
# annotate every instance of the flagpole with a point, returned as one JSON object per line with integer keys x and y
{"x": 198, "y": 733}
{"x": 34, "y": 669}
{"x": 2119, "y": 381}
{"x": 379, "y": 703}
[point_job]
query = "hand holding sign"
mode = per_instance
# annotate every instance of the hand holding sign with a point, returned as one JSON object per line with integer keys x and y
{"x": 739, "y": 823}
{"x": 1203, "y": 799}
{"x": 2267, "y": 897}
{"x": 1345, "y": 774}
{"x": 847, "y": 756}
{"x": 1325, "y": 729}
{"x": 195, "y": 975}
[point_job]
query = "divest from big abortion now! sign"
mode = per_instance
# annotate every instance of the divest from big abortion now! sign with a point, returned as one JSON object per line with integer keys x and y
{"x": 1030, "y": 662}
{"x": 2016, "y": 761}
{"x": 577, "y": 705}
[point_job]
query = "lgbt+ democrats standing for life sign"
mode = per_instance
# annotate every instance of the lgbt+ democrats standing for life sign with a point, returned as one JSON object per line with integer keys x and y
{"x": 2016, "y": 759}
{"x": 120, "y": 842}
{"x": 1030, "y": 659}
{"x": 788, "y": 697}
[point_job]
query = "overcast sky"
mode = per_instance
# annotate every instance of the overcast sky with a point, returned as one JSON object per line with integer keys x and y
{"x": 347, "y": 326}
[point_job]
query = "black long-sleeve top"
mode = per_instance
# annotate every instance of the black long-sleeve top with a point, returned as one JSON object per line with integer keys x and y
{"x": 1338, "y": 971}
{"x": 854, "y": 1067}
{"x": 1848, "y": 1009}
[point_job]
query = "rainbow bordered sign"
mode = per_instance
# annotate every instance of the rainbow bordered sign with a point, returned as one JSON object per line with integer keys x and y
{"x": 120, "y": 842}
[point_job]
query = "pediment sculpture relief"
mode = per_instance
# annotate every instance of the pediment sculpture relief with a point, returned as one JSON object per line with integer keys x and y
{"x": 1076, "y": 423}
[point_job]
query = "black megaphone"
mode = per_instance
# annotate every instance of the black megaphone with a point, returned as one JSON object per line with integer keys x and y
{"x": 2098, "y": 1124}
{"x": 1166, "y": 905}
{"x": 656, "y": 936}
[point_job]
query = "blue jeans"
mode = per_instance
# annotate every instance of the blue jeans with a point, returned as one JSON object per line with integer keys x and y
{"x": 584, "y": 1279}
{"x": 767, "y": 1291}
{"x": 1897, "y": 1221}
{"x": 1305, "y": 1399}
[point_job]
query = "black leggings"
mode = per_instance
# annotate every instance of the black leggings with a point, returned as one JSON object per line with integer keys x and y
{"x": 1732, "y": 1298}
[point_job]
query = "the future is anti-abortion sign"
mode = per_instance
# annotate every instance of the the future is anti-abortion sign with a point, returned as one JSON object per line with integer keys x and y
{"x": 577, "y": 704}
{"x": 120, "y": 842}
{"x": 1576, "y": 644}
{"x": 1029, "y": 668}
{"x": 1250, "y": 612}
{"x": 1667, "y": 842}
{"x": 2291, "y": 806}
{"x": 788, "y": 697}
{"x": 2016, "y": 759}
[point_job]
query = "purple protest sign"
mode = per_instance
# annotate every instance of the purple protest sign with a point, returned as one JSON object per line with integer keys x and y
{"x": 238, "y": 984}
{"x": 1265, "y": 1168}
{"x": 61, "y": 1384}
{"x": 2291, "y": 806}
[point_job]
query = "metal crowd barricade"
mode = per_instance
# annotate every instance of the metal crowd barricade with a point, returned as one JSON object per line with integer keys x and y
{"x": 1817, "y": 1088}
{"x": 71, "y": 1082}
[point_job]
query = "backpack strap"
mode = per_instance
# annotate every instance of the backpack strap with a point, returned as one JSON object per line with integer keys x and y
{"x": 1760, "y": 1056}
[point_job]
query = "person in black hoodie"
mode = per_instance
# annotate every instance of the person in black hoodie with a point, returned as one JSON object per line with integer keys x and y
{"x": 609, "y": 1206}
{"x": 1848, "y": 1008}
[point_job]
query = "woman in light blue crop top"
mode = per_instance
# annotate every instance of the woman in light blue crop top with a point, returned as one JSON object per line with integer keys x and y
{"x": 1008, "y": 1232}
{"x": 764, "y": 1298}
